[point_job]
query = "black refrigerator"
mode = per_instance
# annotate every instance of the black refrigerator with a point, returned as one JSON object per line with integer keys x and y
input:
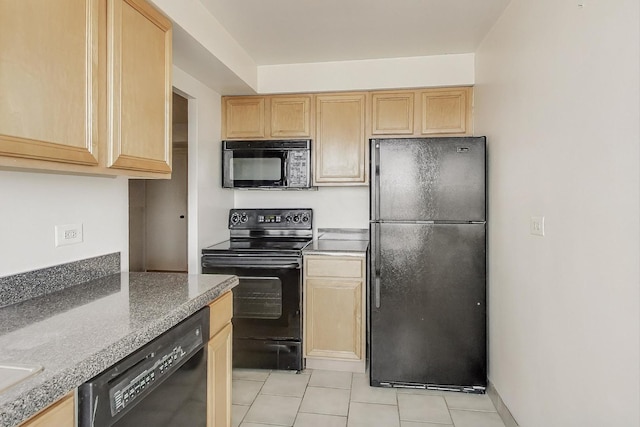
{"x": 427, "y": 299}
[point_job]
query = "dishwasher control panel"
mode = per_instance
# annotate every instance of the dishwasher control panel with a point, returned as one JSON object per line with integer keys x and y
{"x": 126, "y": 392}
{"x": 153, "y": 369}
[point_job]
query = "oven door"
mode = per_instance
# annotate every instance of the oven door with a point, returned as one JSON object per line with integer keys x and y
{"x": 254, "y": 168}
{"x": 267, "y": 321}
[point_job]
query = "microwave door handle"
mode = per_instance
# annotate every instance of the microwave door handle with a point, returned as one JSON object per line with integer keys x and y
{"x": 285, "y": 171}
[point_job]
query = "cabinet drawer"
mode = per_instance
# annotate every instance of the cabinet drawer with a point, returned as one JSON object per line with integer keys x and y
{"x": 334, "y": 267}
{"x": 59, "y": 414}
{"x": 221, "y": 313}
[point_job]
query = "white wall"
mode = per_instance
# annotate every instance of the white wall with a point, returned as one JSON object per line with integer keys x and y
{"x": 333, "y": 207}
{"x": 424, "y": 71}
{"x": 34, "y": 203}
{"x": 208, "y": 203}
{"x": 213, "y": 40}
{"x": 557, "y": 94}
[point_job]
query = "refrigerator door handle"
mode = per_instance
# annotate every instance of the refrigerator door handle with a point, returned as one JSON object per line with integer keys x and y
{"x": 376, "y": 265}
{"x": 375, "y": 187}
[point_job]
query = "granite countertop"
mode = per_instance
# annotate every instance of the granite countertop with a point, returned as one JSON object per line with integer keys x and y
{"x": 332, "y": 241}
{"x": 78, "y": 332}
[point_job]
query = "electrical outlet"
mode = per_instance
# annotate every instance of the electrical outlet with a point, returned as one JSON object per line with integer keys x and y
{"x": 536, "y": 226}
{"x": 68, "y": 234}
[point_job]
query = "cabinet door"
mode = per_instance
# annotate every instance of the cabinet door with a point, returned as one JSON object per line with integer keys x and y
{"x": 340, "y": 146}
{"x": 392, "y": 113}
{"x": 59, "y": 414}
{"x": 446, "y": 111}
{"x": 221, "y": 313}
{"x": 333, "y": 319}
{"x": 139, "y": 87}
{"x": 219, "y": 379}
{"x": 49, "y": 80}
{"x": 290, "y": 116}
{"x": 244, "y": 117}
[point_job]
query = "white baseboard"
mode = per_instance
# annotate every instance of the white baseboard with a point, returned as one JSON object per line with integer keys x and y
{"x": 502, "y": 409}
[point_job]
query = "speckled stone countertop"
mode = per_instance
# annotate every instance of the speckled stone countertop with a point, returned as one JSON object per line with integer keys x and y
{"x": 78, "y": 332}
{"x": 331, "y": 241}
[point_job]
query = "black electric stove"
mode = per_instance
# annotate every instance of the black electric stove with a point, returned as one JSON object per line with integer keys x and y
{"x": 265, "y": 252}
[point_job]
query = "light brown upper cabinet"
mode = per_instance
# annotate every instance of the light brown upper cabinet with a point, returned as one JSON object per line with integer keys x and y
{"x": 341, "y": 128}
{"x": 446, "y": 111}
{"x": 291, "y": 116}
{"x": 94, "y": 98}
{"x": 139, "y": 87}
{"x": 243, "y": 117}
{"x": 340, "y": 149}
{"x": 423, "y": 112}
{"x": 392, "y": 113}
{"x": 266, "y": 117}
{"x": 49, "y": 80}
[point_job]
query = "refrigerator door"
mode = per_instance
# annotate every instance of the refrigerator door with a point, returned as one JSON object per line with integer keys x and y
{"x": 428, "y": 179}
{"x": 428, "y": 304}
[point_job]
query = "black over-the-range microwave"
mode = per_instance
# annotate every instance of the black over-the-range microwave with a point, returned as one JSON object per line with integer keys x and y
{"x": 266, "y": 164}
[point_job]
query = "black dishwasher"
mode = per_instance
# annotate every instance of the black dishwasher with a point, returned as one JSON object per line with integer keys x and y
{"x": 163, "y": 383}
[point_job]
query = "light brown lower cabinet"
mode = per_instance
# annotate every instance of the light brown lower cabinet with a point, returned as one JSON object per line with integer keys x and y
{"x": 219, "y": 362}
{"x": 334, "y": 301}
{"x": 59, "y": 414}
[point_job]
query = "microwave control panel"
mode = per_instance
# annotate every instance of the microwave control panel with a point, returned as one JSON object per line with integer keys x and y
{"x": 298, "y": 169}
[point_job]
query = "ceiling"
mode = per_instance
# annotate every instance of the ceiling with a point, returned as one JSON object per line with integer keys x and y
{"x": 301, "y": 31}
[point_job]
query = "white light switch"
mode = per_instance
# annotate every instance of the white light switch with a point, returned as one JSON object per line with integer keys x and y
{"x": 68, "y": 234}
{"x": 536, "y": 226}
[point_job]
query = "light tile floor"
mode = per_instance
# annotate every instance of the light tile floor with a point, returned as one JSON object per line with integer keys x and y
{"x": 341, "y": 399}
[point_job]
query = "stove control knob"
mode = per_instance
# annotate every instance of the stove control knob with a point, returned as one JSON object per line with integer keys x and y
{"x": 305, "y": 218}
{"x": 244, "y": 218}
{"x": 235, "y": 218}
{"x": 288, "y": 218}
{"x": 296, "y": 218}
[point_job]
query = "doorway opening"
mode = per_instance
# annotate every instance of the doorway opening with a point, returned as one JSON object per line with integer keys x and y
{"x": 158, "y": 217}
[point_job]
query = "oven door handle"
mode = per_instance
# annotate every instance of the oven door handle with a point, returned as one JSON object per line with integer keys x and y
{"x": 249, "y": 263}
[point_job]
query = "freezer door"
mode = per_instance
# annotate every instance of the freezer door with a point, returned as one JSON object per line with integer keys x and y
{"x": 428, "y": 179}
{"x": 428, "y": 304}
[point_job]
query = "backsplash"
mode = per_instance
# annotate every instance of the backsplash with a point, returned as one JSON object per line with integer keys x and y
{"x": 32, "y": 284}
{"x": 343, "y": 233}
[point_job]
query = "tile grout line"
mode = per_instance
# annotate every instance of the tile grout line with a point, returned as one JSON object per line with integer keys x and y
{"x": 397, "y": 406}
{"x": 448, "y": 410}
{"x": 254, "y": 399}
{"x": 349, "y": 403}
{"x": 302, "y": 398}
